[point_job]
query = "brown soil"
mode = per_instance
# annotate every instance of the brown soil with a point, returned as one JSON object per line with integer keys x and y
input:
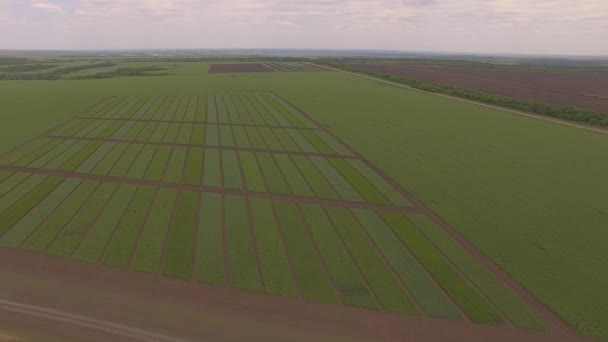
{"x": 154, "y": 308}
{"x": 238, "y": 68}
{"x": 578, "y": 89}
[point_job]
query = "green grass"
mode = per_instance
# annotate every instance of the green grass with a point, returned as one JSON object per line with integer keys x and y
{"x": 21, "y": 208}
{"x": 212, "y": 174}
{"x": 240, "y": 136}
{"x": 198, "y": 135}
{"x": 124, "y": 239}
{"x": 23, "y": 151}
{"x": 337, "y": 180}
{"x": 123, "y": 130}
{"x": 41, "y": 238}
{"x": 134, "y": 131}
{"x": 251, "y": 171}
{"x": 172, "y": 133}
{"x": 21, "y": 185}
{"x": 300, "y": 140}
{"x": 123, "y": 165}
{"x": 64, "y": 157}
{"x": 180, "y": 244}
{"x": 175, "y": 168}
{"x": 308, "y": 267}
{"x": 159, "y": 132}
{"x": 232, "y": 170}
{"x": 273, "y": 258}
{"x": 286, "y": 140}
{"x": 212, "y": 136}
{"x": 333, "y": 143}
{"x": 36, "y": 153}
{"x": 275, "y": 180}
{"x": 108, "y": 132}
{"x": 429, "y": 296}
{"x": 269, "y": 138}
{"x": 387, "y": 289}
{"x": 316, "y": 141}
{"x": 94, "y": 158}
{"x": 379, "y": 183}
{"x": 209, "y": 250}
{"x": 95, "y": 242}
{"x": 146, "y": 133}
{"x": 8, "y": 184}
{"x": 226, "y": 136}
{"x": 255, "y": 138}
{"x": 508, "y": 302}
{"x": 70, "y": 237}
{"x": 185, "y": 134}
{"x": 52, "y": 154}
{"x": 158, "y": 164}
{"x": 201, "y": 110}
{"x": 211, "y": 109}
{"x": 365, "y": 188}
{"x": 193, "y": 169}
{"x": 296, "y": 181}
{"x": 74, "y": 162}
{"x": 241, "y": 250}
{"x": 350, "y": 284}
{"x": 147, "y": 257}
{"x": 463, "y": 294}
{"x": 318, "y": 183}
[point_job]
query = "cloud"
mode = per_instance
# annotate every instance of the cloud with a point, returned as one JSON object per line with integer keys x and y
{"x": 540, "y": 26}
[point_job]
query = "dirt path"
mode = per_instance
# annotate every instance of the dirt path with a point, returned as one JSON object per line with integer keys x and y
{"x": 122, "y": 305}
{"x": 512, "y": 111}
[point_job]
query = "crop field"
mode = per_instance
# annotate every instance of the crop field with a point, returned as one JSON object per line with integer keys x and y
{"x": 245, "y": 190}
{"x": 261, "y": 67}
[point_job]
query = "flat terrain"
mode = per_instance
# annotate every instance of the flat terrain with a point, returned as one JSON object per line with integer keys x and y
{"x": 583, "y": 89}
{"x": 531, "y": 203}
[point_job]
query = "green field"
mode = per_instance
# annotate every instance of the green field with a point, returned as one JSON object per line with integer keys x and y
{"x": 208, "y": 157}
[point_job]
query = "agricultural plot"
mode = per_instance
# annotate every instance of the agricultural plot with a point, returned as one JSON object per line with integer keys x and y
{"x": 242, "y": 190}
{"x": 261, "y": 67}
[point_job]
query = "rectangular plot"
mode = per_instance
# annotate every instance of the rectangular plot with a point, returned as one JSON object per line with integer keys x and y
{"x": 365, "y": 188}
{"x": 232, "y": 170}
{"x": 175, "y": 168}
{"x": 180, "y": 247}
{"x": 243, "y": 113}
{"x": 343, "y": 270}
{"x": 185, "y": 134}
{"x": 270, "y": 140}
{"x": 198, "y": 135}
{"x": 151, "y": 111}
{"x": 301, "y": 140}
{"x": 191, "y": 111}
{"x": 72, "y": 131}
{"x": 123, "y": 130}
{"x": 110, "y": 130}
{"x": 212, "y": 136}
{"x": 335, "y": 178}
{"x": 127, "y": 114}
{"x": 22, "y": 207}
{"x": 150, "y": 104}
{"x": 385, "y": 286}
{"x": 379, "y": 183}
{"x": 70, "y": 237}
{"x": 211, "y": 109}
{"x": 123, "y": 165}
{"x": 226, "y": 136}
{"x": 251, "y": 171}
{"x": 256, "y": 117}
{"x": 100, "y": 129}
{"x": 240, "y": 137}
{"x": 158, "y": 164}
{"x": 296, "y": 181}
{"x": 147, "y": 257}
{"x": 280, "y": 119}
{"x": 193, "y": 171}
{"x": 65, "y": 156}
{"x": 466, "y": 297}
{"x": 9, "y": 183}
{"x": 66, "y": 126}
{"x": 255, "y": 138}
{"x": 212, "y": 175}
{"x": 140, "y": 165}
{"x": 146, "y": 133}
{"x": 89, "y": 128}
{"x": 316, "y": 141}
{"x": 241, "y": 253}
{"x": 95, "y": 157}
{"x": 159, "y": 132}
{"x": 232, "y": 112}
{"x": 273, "y": 258}
{"x": 337, "y": 146}
{"x": 163, "y": 108}
{"x": 123, "y": 241}
{"x": 23, "y": 151}
{"x": 106, "y": 164}
{"x": 285, "y": 140}
{"x": 180, "y": 113}
{"x": 293, "y": 111}
{"x": 4, "y": 175}
{"x": 118, "y": 109}
{"x": 172, "y": 110}
{"x": 210, "y": 244}
{"x": 222, "y": 112}
{"x": 317, "y": 182}
{"x": 40, "y": 239}
{"x": 133, "y": 133}
{"x": 201, "y": 109}
{"x": 274, "y": 178}
{"x": 172, "y": 132}
{"x": 508, "y": 302}
{"x": 26, "y": 184}
{"x": 94, "y": 244}
{"x": 272, "y": 104}
{"x": 269, "y": 117}
{"x": 428, "y": 294}
{"x": 27, "y": 159}
{"x": 308, "y": 267}
{"x": 74, "y": 162}
{"x": 52, "y": 154}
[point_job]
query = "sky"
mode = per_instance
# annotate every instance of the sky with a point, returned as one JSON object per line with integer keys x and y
{"x": 564, "y": 27}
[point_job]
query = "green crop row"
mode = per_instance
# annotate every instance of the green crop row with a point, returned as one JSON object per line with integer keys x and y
{"x": 212, "y": 175}
{"x": 193, "y": 169}
{"x": 210, "y": 244}
{"x": 365, "y": 188}
{"x": 175, "y": 168}
{"x": 337, "y": 180}
{"x": 232, "y": 170}
{"x": 251, "y": 171}
{"x": 158, "y": 164}
{"x": 275, "y": 180}
{"x": 226, "y": 137}
{"x": 107, "y": 163}
{"x": 296, "y": 181}
{"x": 20, "y": 184}
{"x": 180, "y": 245}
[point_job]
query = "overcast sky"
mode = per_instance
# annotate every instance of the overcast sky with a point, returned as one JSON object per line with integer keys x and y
{"x": 578, "y": 27}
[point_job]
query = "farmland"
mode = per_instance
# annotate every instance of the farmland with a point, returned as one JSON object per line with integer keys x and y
{"x": 272, "y": 183}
